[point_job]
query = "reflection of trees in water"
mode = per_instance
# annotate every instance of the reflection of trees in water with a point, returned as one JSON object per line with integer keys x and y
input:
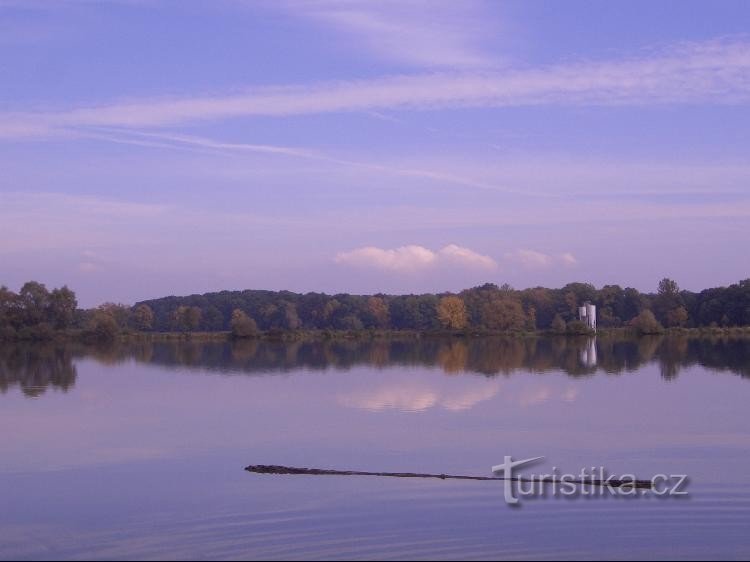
{"x": 380, "y": 355}
{"x": 496, "y": 356}
{"x": 454, "y": 357}
{"x": 35, "y": 367}
{"x": 722, "y": 354}
{"x": 244, "y": 350}
{"x": 671, "y": 353}
{"x": 488, "y": 356}
{"x": 647, "y": 348}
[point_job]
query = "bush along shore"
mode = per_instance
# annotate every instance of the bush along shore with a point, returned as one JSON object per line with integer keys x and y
{"x": 36, "y": 313}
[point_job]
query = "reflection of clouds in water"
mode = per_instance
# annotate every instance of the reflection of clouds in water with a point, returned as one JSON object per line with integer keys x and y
{"x": 419, "y": 396}
{"x": 414, "y": 396}
{"x": 399, "y": 397}
{"x": 570, "y": 394}
{"x": 534, "y": 395}
{"x": 470, "y": 398}
{"x": 541, "y": 394}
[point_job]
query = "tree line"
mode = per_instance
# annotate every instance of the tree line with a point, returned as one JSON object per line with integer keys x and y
{"x": 38, "y": 313}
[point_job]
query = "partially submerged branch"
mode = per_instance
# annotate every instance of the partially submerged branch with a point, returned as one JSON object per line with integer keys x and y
{"x": 290, "y": 470}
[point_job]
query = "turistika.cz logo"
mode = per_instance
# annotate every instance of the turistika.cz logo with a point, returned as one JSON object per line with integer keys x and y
{"x": 590, "y": 481}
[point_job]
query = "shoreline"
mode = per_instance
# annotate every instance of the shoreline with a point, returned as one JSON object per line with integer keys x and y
{"x": 79, "y": 336}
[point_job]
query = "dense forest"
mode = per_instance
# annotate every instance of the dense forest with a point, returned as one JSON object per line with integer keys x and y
{"x": 38, "y": 313}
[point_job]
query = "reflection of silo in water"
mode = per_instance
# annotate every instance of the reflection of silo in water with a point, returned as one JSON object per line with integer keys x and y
{"x": 588, "y": 353}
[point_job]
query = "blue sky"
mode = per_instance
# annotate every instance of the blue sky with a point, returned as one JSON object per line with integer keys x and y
{"x": 154, "y": 147}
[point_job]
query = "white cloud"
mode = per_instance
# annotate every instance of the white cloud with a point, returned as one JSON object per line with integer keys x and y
{"x": 463, "y": 256}
{"x": 711, "y": 72}
{"x": 414, "y": 258}
{"x": 568, "y": 259}
{"x": 405, "y": 258}
{"x": 533, "y": 259}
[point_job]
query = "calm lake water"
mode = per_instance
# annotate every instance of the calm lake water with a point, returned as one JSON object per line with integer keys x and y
{"x": 138, "y": 451}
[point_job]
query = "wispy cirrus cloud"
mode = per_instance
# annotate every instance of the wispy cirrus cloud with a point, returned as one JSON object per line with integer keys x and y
{"x": 64, "y": 221}
{"x": 414, "y": 258}
{"x": 416, "y": 32}
{"x": 175, "y": 141}
{"x": 711, "y": 72}
{"x": 191, "y": 142}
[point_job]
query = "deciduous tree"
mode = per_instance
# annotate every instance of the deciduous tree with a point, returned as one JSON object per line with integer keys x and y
{"x": 243, "y": 326}
{"x": 143, "y": 318}
{"x": 451, "y": 312}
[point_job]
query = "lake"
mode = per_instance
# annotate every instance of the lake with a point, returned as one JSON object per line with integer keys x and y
{"x": 138, "y": 450}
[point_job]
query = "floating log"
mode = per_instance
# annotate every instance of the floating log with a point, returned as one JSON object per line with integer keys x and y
{"x": 291, "y": 470}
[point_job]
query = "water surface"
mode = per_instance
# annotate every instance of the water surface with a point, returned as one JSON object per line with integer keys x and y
{"x": 138, "y": 451}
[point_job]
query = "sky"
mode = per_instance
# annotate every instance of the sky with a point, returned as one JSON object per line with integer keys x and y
{"x": 156, "y": 147}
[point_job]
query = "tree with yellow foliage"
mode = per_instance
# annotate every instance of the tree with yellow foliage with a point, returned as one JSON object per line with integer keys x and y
{"x": 452, "y": 313}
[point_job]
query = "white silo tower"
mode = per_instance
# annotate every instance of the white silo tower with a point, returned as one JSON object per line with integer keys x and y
{"x": 591, "y": 315}
{"x": 587, "y": 314}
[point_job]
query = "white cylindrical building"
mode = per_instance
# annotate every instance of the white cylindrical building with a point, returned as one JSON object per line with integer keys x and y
{"x": 587, "y": 314}
{"x": 591, "y": 315}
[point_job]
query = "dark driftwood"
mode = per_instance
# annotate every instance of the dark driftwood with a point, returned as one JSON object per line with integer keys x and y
{"x": 281, "y": 470}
